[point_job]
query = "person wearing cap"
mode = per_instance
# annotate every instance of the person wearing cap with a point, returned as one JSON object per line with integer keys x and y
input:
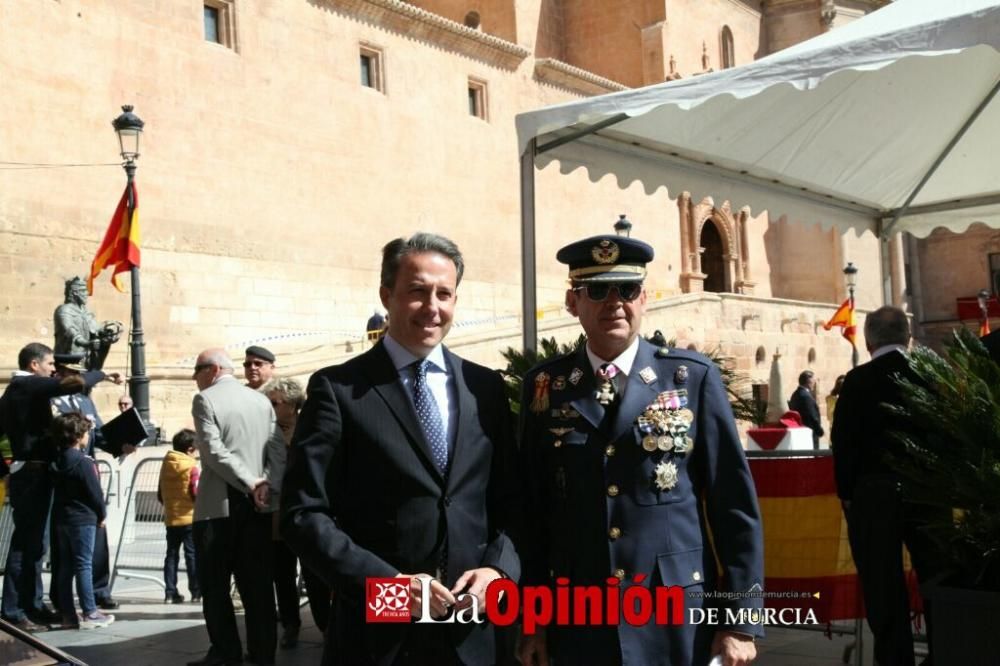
{"x": 630, "y": 455}
{"x": 26, "y": 415}
{"x": 401, "y": 466}
{"x": 258, "y": 366}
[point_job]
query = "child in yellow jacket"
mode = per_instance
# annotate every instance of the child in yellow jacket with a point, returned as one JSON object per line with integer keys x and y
{"x": 178, "y": 487}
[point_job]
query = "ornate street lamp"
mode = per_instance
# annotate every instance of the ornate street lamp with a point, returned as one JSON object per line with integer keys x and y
{"x": 128, "y": 127}
{"x": 851, "y": 277}
{"x": 623, "y": 227}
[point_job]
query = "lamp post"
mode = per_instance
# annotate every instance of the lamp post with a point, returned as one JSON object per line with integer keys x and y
{"x": 983, "y": 297}
{"x": 851, "y": 277}
{"x": 128, "y": 126}
{"x": 623, "y": 227}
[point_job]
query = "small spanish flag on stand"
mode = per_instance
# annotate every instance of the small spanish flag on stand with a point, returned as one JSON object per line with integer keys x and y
{"x": 844, "y": 317}
{"x": 120, "y": 248}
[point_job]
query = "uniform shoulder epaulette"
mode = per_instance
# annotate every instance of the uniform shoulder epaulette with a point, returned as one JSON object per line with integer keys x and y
{"x": 685, "y": 354}
{"x": 552, "y": 360}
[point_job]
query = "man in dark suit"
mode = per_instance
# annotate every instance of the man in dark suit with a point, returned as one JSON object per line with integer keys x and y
{"x": 26, "y": 415}
{"x": 803, "y": 401}
{"x": 879, "y": 522}
{"x": 401, "y": 466}
{"x": 630, "y": 455}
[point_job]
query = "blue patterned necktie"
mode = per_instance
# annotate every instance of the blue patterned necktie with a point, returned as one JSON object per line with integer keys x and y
{"x": 429, "y": 415}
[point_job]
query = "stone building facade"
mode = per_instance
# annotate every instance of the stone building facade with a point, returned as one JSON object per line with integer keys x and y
{"x": 286, "y": 142}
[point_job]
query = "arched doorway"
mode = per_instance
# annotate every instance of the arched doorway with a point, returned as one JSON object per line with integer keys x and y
{"x": 712, "y": 263}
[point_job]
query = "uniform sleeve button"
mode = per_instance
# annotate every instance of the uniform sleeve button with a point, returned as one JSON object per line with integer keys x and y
{"x": 609, "y": 450}
{"x": 620, "y": 574}
{"x": 614, "y": 533}
{"x": 612, "y": 490}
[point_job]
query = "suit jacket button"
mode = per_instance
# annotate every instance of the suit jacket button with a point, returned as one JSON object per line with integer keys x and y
{"x": 612, "y": 490}
{"x": 610, "y": 450}
{"x": 614, "y": 533}
{"x": 446, "y": 500}
{"x": 696, "y": 576}
{"x": 620, "y": 574}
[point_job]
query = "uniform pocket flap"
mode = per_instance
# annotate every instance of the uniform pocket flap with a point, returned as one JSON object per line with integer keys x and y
{"x": 682, "y": 568}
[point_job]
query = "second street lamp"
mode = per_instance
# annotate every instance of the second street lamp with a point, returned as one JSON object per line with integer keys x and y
{"x": 128, "y": 127}
{"x": 851, "y": 277}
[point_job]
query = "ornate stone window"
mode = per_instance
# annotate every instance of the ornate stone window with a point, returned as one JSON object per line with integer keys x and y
{"x": 714, "y": 247}
{"x": 220, "y": 23}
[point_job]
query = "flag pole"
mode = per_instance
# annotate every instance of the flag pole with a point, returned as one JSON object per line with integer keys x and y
{"x": 851, "y": 277}
{"x": 138, "y": 383}
{"x": 128, "y": 127}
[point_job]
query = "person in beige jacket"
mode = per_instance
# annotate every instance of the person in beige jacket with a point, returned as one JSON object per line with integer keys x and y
{"x": 243, "y": 460}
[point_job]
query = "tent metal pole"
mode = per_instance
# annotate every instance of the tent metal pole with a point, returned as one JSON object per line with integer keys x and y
{"x": 578, "y": 133}
{"x": 529, "y": 297}
{"x": 886, "y": 228}
{"x": 884, "y": 260}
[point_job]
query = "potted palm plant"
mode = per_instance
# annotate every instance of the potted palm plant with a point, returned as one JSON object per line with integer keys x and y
{"x": 952, "y": 461}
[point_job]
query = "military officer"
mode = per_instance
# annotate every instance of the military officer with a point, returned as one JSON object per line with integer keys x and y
{"x": 630, "y": 457}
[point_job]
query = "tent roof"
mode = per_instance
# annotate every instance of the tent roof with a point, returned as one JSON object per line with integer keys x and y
{"x": 840, "y": 129}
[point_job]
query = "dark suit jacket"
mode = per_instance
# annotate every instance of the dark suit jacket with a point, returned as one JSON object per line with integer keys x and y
{"x": 861, "y": 423}
{"x": 571, "y": 461}
{"x": 27, "y": 412}
{"x": 803, "y": 402}
{"x": 362, "y": 496}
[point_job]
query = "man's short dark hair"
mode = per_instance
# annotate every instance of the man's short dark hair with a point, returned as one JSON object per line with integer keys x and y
{"x": 67, "y": 429}
{"x": 34, "y": 351}
{"x": 805, "y": 376}
{"x": 395, "y": 250}
{"x": 183, "y": 440}
{"x": 887, "y": 326}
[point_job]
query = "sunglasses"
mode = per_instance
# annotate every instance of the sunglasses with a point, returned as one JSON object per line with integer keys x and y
{"x": 598, "y": 291}
{"x": 255, "y": 364}
{"x": 201, "y": 366}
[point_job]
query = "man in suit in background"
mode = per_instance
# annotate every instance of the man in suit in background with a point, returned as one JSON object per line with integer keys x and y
{"x": 879, "y": 522}
{"x": 803, "y": 401}
{"x": 401, "y": 466}
{"x": 26, "y": 413}
{"x": 243, "y": 460}
{"x": 630, "y": 455}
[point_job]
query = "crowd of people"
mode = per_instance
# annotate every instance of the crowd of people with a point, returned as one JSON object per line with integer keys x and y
{"x": 404, "y": 463}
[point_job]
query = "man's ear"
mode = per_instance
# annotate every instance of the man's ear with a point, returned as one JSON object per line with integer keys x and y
{"x": 383, "y": 294}
{"x": 571, "y": 302}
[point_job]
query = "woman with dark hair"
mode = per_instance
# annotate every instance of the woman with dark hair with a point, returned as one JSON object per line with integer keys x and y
{"x": 831, "y": 400}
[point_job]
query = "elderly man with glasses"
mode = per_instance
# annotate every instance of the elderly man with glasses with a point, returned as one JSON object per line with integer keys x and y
{"x": 258, "y": 366}
{"x": 243, "y": 461}
{"x": 630, "y": 455}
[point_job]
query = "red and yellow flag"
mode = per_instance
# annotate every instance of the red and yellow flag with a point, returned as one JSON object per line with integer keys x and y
{"x": 120, "y": 247}
{"x": 984, "y": 327}
{"x": 844, "y": 317}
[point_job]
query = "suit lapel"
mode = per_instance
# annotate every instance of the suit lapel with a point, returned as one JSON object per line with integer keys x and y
{"x": 386, "y": 382}
{"x": 638, "y": 393}
{"x": 464, "y": 425}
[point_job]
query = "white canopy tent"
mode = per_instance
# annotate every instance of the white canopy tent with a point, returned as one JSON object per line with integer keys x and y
{"x": 886, "y": 124}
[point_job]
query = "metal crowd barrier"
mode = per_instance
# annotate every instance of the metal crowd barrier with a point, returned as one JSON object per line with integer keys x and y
{"x": 7, "y": 514}
{"x": 142, "y": 544}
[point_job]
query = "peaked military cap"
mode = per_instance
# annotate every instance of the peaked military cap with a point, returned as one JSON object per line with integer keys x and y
{"x": 607, "y": 258}
{"x": 260, "y": 352}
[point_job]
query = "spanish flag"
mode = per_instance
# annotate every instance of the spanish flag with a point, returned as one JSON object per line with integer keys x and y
{"x": 120, "y": 248}
{"x": 844, "y": 317}
{"x": 984, "y": 327}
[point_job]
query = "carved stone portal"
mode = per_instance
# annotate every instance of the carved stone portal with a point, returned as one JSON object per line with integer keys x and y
{"x": 714, "y": 247}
